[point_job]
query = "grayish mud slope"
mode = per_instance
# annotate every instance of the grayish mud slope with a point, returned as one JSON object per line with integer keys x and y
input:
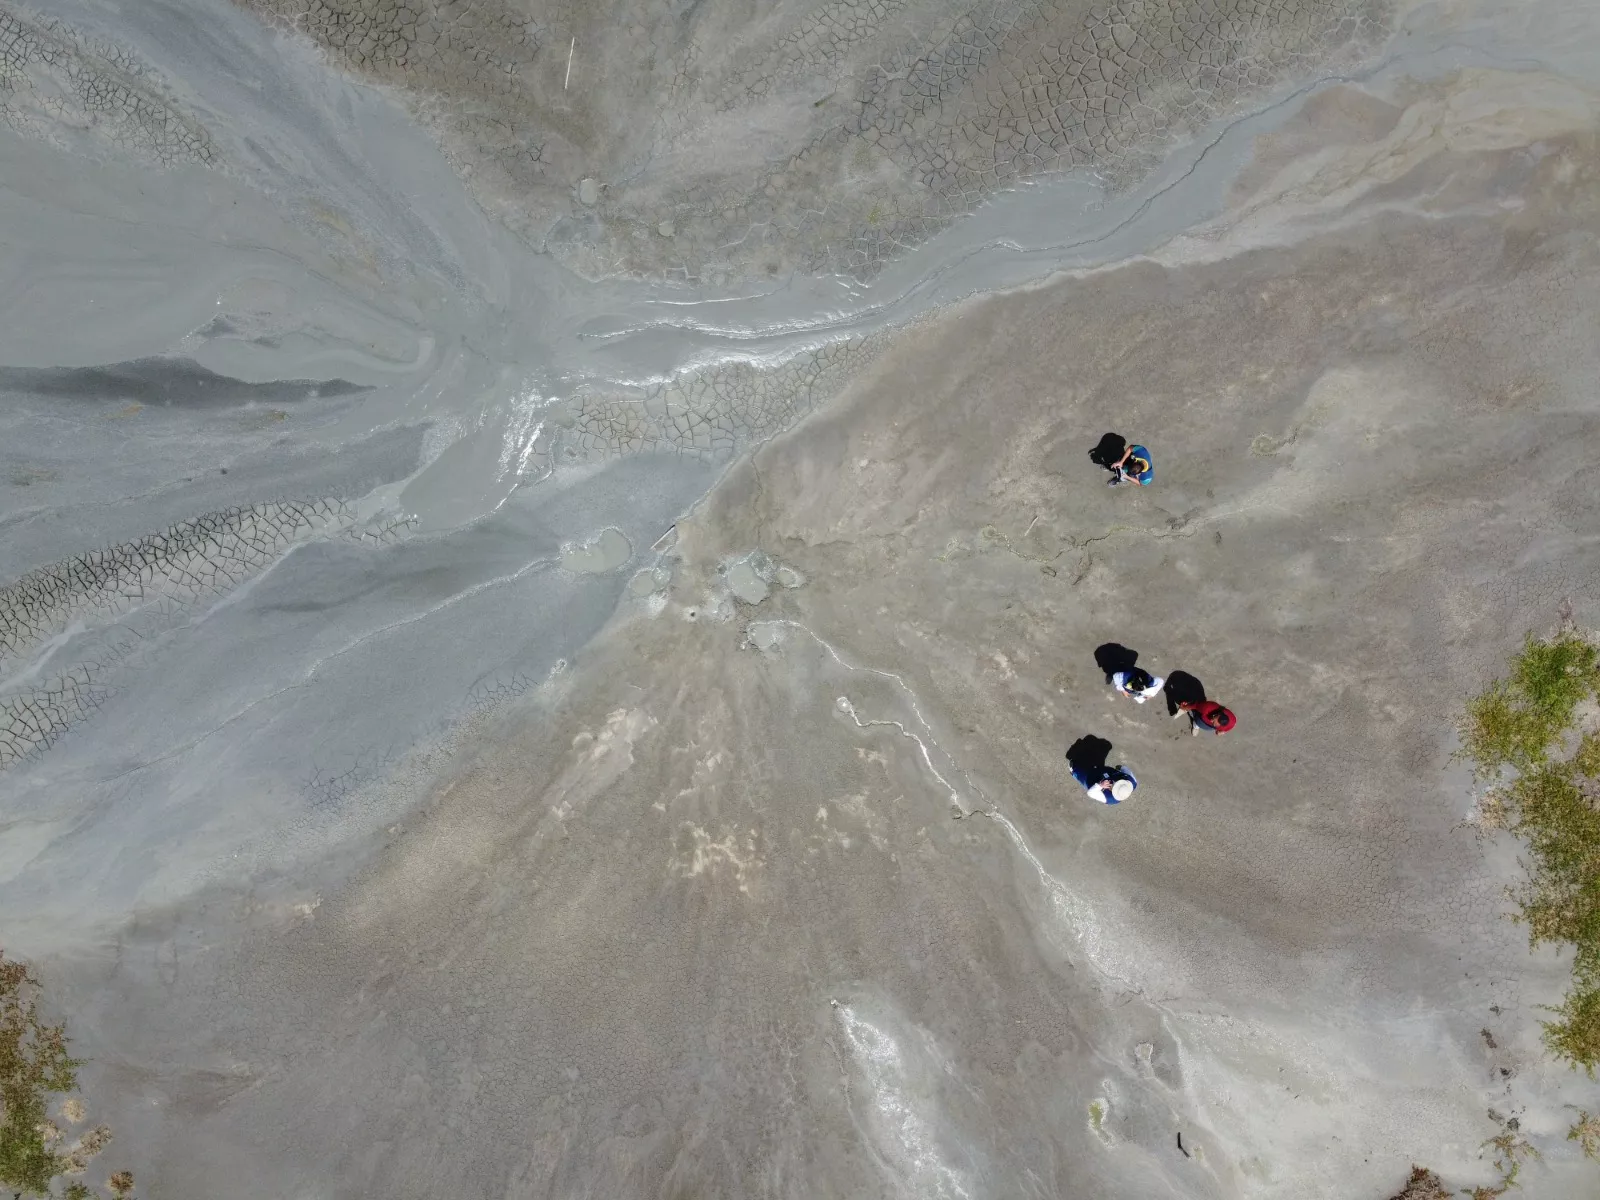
{"x": 729, "y": 138}
{"x": 540, "y": 614}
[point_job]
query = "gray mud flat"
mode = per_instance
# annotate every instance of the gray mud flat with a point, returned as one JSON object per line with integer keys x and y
{"x": 548, "y": 566}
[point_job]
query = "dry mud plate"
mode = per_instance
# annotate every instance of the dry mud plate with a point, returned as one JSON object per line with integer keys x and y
{"x": 549, "y": 568}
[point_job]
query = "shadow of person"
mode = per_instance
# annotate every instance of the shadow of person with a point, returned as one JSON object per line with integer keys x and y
{"x": 1088, "y": 753}
{"x": 1183, "y": 688}
{"x": 1113, "y": 657}
{"x": 1108, "y": 450}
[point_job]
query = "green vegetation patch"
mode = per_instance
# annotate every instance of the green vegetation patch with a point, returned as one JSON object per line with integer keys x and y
{"x": 1586, "y": 1132}
{"x": 36, "y": 1071}
{"x": 1511, "y": 1150}
{"x": 1517, "y": 721}
{"x": 1519, "y": 733}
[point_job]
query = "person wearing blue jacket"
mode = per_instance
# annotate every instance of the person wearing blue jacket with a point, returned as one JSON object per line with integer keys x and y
{"x": 1135, "y": 465}
{"x": 1108, "y": 785}
{"x": 1087, "y": 760}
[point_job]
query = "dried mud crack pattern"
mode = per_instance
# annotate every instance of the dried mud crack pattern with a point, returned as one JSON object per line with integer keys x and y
{"x": 1004, "y": 93}
{"x": 54, "y": 82}
{"x": 828, "y": 140}
{"x": 1013, "y": 92}
{"x": 1012, "y": 97}
{"x": 161, "y": 578}
{"x": 471, "y": 46}
{"x": 814, "y": 48}
{"x": 465, "y": 62}
{"x": 712, "y": 413}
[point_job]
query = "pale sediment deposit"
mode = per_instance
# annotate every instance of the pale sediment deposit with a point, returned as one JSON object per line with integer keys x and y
{"x": 548, "y": 566}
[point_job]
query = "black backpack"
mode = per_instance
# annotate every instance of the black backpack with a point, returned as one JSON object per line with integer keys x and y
{"x": 1109, "y": 449}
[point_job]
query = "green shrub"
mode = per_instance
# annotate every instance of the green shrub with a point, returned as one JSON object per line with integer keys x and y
{"x": 34, "y": 1065}
{"x": 36, "y": 1070}
{"x": 1587, "y": 759}
{"x": 1576, "y": 1036}
{"x": 1552, "y": 803}
{"x": 1586, "y": 1132}
{"x": 1517, "y": 721}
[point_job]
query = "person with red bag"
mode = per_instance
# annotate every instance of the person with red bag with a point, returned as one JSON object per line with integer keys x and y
{"x": 1207, "y": 715}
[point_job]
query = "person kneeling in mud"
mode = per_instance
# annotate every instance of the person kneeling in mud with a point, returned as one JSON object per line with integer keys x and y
{"x": 1206, "y": 715}
{"x": 1108, "y": 785}
{"x": 1133, "y": 467}
{"x": 1087, "y": 760}
{"x": 1138, "y": 683}
{"x": 1125, "y": 462}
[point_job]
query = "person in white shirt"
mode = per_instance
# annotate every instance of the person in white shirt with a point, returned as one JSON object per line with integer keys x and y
{"x": 1138, "y": 683}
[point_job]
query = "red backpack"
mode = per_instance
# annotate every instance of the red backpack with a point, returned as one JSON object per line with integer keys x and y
{"x": 1214, "y": 716}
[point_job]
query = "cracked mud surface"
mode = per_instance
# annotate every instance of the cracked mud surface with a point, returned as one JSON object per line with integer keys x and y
{"x": 58, "y": 86}
{"x": 827, "y": 137}
{"x": 471, "y": 729}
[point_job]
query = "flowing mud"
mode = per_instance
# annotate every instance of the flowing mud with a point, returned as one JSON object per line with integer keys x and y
{"x": 548, "y": 566}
